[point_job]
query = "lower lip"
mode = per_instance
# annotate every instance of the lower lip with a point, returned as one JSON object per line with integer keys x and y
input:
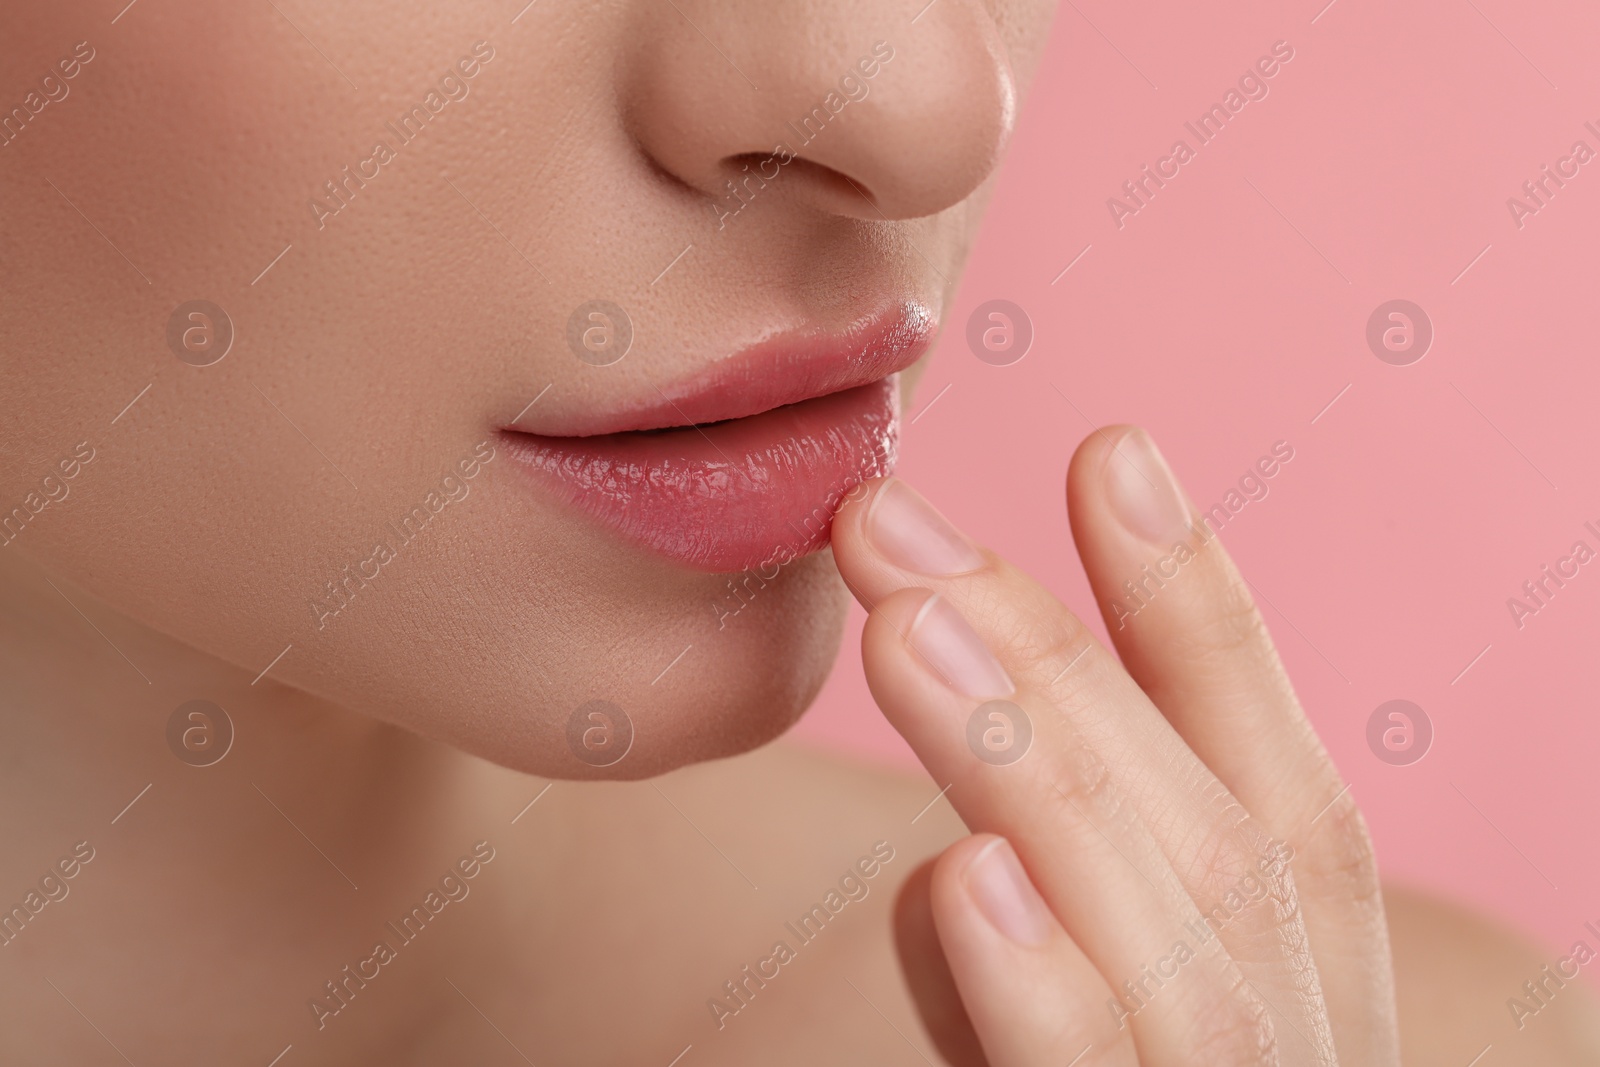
{"x": 730, "y": 496}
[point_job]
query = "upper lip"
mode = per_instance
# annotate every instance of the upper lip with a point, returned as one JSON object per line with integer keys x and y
{"x": 784, "y": 369}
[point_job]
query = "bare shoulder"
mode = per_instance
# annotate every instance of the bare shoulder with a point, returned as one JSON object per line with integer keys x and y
{"x": 1465, "y": 983}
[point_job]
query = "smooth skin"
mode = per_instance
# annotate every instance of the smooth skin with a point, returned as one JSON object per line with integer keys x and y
{"x": 1163, "y": 775}
{"x": 607, "y": 919}
{"x": 391, "y": 339}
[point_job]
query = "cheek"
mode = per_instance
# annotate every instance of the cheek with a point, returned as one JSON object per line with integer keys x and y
{"x": 228, "y": 126}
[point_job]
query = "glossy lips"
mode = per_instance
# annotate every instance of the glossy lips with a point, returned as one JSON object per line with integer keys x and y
{"x": 759, "y": 487}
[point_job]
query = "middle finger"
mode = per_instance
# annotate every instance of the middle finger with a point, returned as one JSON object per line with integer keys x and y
{"x": 1075, "y": 698}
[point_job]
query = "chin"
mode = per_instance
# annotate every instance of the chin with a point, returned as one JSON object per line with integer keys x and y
{"x": 757, "y": 654}
{"x": 755, "y": 663}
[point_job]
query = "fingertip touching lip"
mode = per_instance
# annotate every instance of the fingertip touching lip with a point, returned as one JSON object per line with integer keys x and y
{"x": 781, "y": 370}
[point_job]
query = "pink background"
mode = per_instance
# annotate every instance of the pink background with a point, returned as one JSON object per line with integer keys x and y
{"x": 1427, "y": 494}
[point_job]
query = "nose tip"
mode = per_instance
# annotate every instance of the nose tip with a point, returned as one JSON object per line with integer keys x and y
{"x": 883, "y": 118}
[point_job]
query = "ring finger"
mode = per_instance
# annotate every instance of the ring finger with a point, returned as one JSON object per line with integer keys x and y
{"x": 929, "y": 670}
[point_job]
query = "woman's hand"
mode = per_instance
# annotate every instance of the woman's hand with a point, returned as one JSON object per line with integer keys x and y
{"x": 1166, "y": 868}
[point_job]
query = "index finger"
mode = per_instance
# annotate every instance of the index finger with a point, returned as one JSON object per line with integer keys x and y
{"x": 1105, "y": 774}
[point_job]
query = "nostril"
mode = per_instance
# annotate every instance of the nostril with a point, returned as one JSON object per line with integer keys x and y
{"x": 747, "y": 175}
{"x": 842, "y": 127}
{"x": 857, "y": 188}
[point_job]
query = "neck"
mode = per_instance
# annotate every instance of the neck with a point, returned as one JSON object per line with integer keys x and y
{"x": 315, "y": 828}
{"x": 93, "y": 694}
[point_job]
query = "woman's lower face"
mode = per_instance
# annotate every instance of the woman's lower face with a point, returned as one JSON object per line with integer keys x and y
{"x": 491, "y": 373}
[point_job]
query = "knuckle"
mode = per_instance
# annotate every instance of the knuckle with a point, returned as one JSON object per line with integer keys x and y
{"x": 1043, "y": 647}
{"x": 1338, "y": 860}
{"x": 1236, "y": 1031}
{"x": 1039, "y": 634}
{"x": 1084, "y": 782}
{"x": 1249, "y": 894}
{"x": 1221, "y": 857}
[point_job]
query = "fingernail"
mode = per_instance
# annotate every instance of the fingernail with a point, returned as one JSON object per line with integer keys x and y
{"x": 996, "y": 881}
{"x": 1142, "y": 491}
{"x": 908, "y": 532}
{"x": 955, "y": 652}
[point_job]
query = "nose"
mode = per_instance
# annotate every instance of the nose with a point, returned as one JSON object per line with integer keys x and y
{"x": 866, "y": 110}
